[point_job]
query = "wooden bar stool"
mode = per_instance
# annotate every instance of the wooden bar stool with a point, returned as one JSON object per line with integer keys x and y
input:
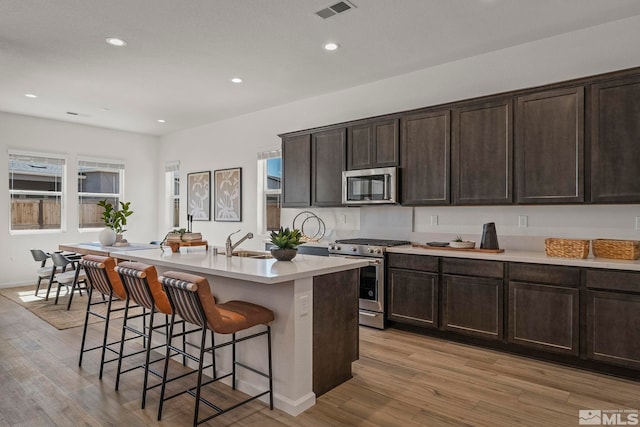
{"x": 191, "y": 299}
{"x": 142, "y": 287}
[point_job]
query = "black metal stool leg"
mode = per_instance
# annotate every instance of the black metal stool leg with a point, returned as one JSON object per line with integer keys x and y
{"x": 200, "y": 364}
{"x": 106, "y": 330}
{"x": 84, "y": 330}
{"x": 233, "y": 362}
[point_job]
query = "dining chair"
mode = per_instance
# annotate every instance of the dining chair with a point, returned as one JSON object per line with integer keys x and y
{"x": 71, "y": 278}
{"x": 44, "y": 271}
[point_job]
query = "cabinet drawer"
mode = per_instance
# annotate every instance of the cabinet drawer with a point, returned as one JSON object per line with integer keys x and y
{"x": 613, "y": 280}
{"x": 470, "y": 267}
{"x": 547, "y": 274}
{"x": 413, "y": 262}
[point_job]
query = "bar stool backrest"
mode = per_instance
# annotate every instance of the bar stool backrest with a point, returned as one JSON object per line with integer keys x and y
{"x": 183, "y": 288}
{"x": 141, "y": 284}
{"x": 102, "y": 275}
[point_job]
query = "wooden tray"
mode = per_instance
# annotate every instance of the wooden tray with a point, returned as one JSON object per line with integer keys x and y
{"x": 175, "y": 246}
{"x": 448, "y": 248}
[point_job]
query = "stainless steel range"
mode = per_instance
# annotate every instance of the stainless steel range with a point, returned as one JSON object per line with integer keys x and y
{"x": 372, "y": 282}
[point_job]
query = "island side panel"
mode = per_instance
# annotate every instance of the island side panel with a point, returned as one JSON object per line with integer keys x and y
{"x": 335, "y": 328}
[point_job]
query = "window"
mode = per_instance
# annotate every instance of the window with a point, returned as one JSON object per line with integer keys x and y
{"x": 36, "y": 183}
{"x": 269, "y": 190}
{"x": 172, "y": 185}
{"x": 98, "y": 180}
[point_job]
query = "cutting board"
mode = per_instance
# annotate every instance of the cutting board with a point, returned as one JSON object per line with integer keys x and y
{"x": 447, "y": 248}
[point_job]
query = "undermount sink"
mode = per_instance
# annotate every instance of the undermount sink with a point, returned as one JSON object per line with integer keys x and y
{"x": 252, "y": 254}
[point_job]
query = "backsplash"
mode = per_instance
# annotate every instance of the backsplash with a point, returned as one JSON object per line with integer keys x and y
{"x": 518, "y": 227}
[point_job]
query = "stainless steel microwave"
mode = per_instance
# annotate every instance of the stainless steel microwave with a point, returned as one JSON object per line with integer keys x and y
{"x": 370, "y": 186}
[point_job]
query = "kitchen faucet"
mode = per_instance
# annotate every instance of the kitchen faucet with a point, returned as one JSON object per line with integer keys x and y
{"x": 229, "y": 247}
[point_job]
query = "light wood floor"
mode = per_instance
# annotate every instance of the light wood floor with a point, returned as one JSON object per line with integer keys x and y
{"x": 401, "y": 379}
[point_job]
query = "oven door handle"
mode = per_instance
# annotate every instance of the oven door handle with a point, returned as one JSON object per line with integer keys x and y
{"x": 364, "y": 313}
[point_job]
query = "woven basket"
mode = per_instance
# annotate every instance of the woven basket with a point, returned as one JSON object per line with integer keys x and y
{"x": 618, "y": 249}
{"x": 566, "y": 248}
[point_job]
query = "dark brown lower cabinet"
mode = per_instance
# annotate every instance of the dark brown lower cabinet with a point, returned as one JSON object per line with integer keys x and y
{"x": 544, "y": 317}
{"x": 613, "y": 328}
{"x": 473, "y": 306}
{"x": 412, "y": 297}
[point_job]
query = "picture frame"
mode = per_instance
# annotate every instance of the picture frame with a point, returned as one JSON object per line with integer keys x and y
{"x": 199, "y": 195}
{"x": 228, "y": 195}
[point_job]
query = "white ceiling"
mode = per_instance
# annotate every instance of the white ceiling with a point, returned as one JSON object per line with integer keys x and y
{"x": 181, "y": 54}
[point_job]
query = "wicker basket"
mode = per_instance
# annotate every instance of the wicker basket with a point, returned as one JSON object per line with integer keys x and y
{"x": 566, "y": 248}
{"x": 618, "y": 249}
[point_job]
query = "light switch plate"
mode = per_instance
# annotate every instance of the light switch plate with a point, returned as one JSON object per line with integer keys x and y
{"x": 523, "y": 221}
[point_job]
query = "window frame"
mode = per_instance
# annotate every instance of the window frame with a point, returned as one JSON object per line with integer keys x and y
{"x": 61, "y": 194}
{"x": 263, "y": 191}
{"x": 171, "y": 171}
{"x": 106, "y": 163}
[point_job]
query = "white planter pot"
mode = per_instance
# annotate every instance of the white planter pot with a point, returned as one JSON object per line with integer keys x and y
{"x": 107, "y": 236}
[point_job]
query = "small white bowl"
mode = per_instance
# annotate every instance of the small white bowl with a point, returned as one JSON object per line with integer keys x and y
{"x": 462, "y": 245}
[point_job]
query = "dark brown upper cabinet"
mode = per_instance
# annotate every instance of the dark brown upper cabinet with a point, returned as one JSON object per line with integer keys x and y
{"x": 296, "y": 171}
{"x": 425, "y": 149}
{"x": 482, "y": 147}
{"x": 328, "y": 150}
{"x": 549, "y": 146}
{"x": 615, "y": 141}
{"x": 373, "y": 145}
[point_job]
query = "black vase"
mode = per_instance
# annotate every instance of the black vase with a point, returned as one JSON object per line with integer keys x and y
{"x": 489, "y": 236}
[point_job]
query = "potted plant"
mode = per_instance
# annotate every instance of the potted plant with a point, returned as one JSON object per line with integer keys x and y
{"x": 114, "y": 221}
{"x": 286, "y": 242}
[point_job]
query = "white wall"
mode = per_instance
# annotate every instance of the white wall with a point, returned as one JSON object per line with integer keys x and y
{"x": 138, "y": 152}
{"x": 236, "y": 141}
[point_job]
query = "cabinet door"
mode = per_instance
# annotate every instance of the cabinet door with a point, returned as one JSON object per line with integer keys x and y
{"x": 373, "y": 145}
{"x": 544, "y": 317}
{"x": 328, "y": 161}
{"x": 482, "y": 154}
{"x": 425, "y": 151}
{"x": 473, "y": 306}
{"x": 550, "y": 147}
{"x": 615, "y": 137}
{"x": 412, "y": 297}
{"x": 613, "y": 328}
{"x": 385, "y": 144}
{"x": 359, "y": 145}
{"x": 296, "y": 171}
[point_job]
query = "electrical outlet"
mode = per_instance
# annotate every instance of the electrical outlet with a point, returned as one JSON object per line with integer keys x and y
{"x": 304, "y": 305}
{"x": 523, "y": 221}
{"x": 434, "y": 219}
{"x": 344, "y": 218}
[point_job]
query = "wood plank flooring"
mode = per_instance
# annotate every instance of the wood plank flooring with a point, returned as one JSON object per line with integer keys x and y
{"x": 401, "y": 379}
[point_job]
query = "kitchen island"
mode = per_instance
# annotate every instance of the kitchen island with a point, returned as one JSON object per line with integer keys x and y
{"x": 315, "y": 302}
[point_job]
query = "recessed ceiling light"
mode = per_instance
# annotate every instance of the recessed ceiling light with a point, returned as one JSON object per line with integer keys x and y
{"x": 331, "y": 46}
{"x": 236, "y": 80}
{"x": 30, "y": 95}
{"x": 114, "y": 41}
{"x": 162, "y": 121}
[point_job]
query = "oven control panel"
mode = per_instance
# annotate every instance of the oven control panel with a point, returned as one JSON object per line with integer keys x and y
{"x": 356, "y": 250}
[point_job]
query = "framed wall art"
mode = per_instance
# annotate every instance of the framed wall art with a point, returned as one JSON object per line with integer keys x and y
{"x": 199, "y": 195}
{"x": 228, "y": 195}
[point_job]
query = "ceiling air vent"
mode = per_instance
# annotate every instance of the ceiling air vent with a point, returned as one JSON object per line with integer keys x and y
{"x": 330, "y": 11}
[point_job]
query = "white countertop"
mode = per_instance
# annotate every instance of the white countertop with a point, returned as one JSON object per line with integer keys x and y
{"x": 522, "y": 256}
{"x": 249, "y": 269}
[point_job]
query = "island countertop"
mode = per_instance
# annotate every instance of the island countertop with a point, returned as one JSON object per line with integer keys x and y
{"x": 250, "y": 269}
